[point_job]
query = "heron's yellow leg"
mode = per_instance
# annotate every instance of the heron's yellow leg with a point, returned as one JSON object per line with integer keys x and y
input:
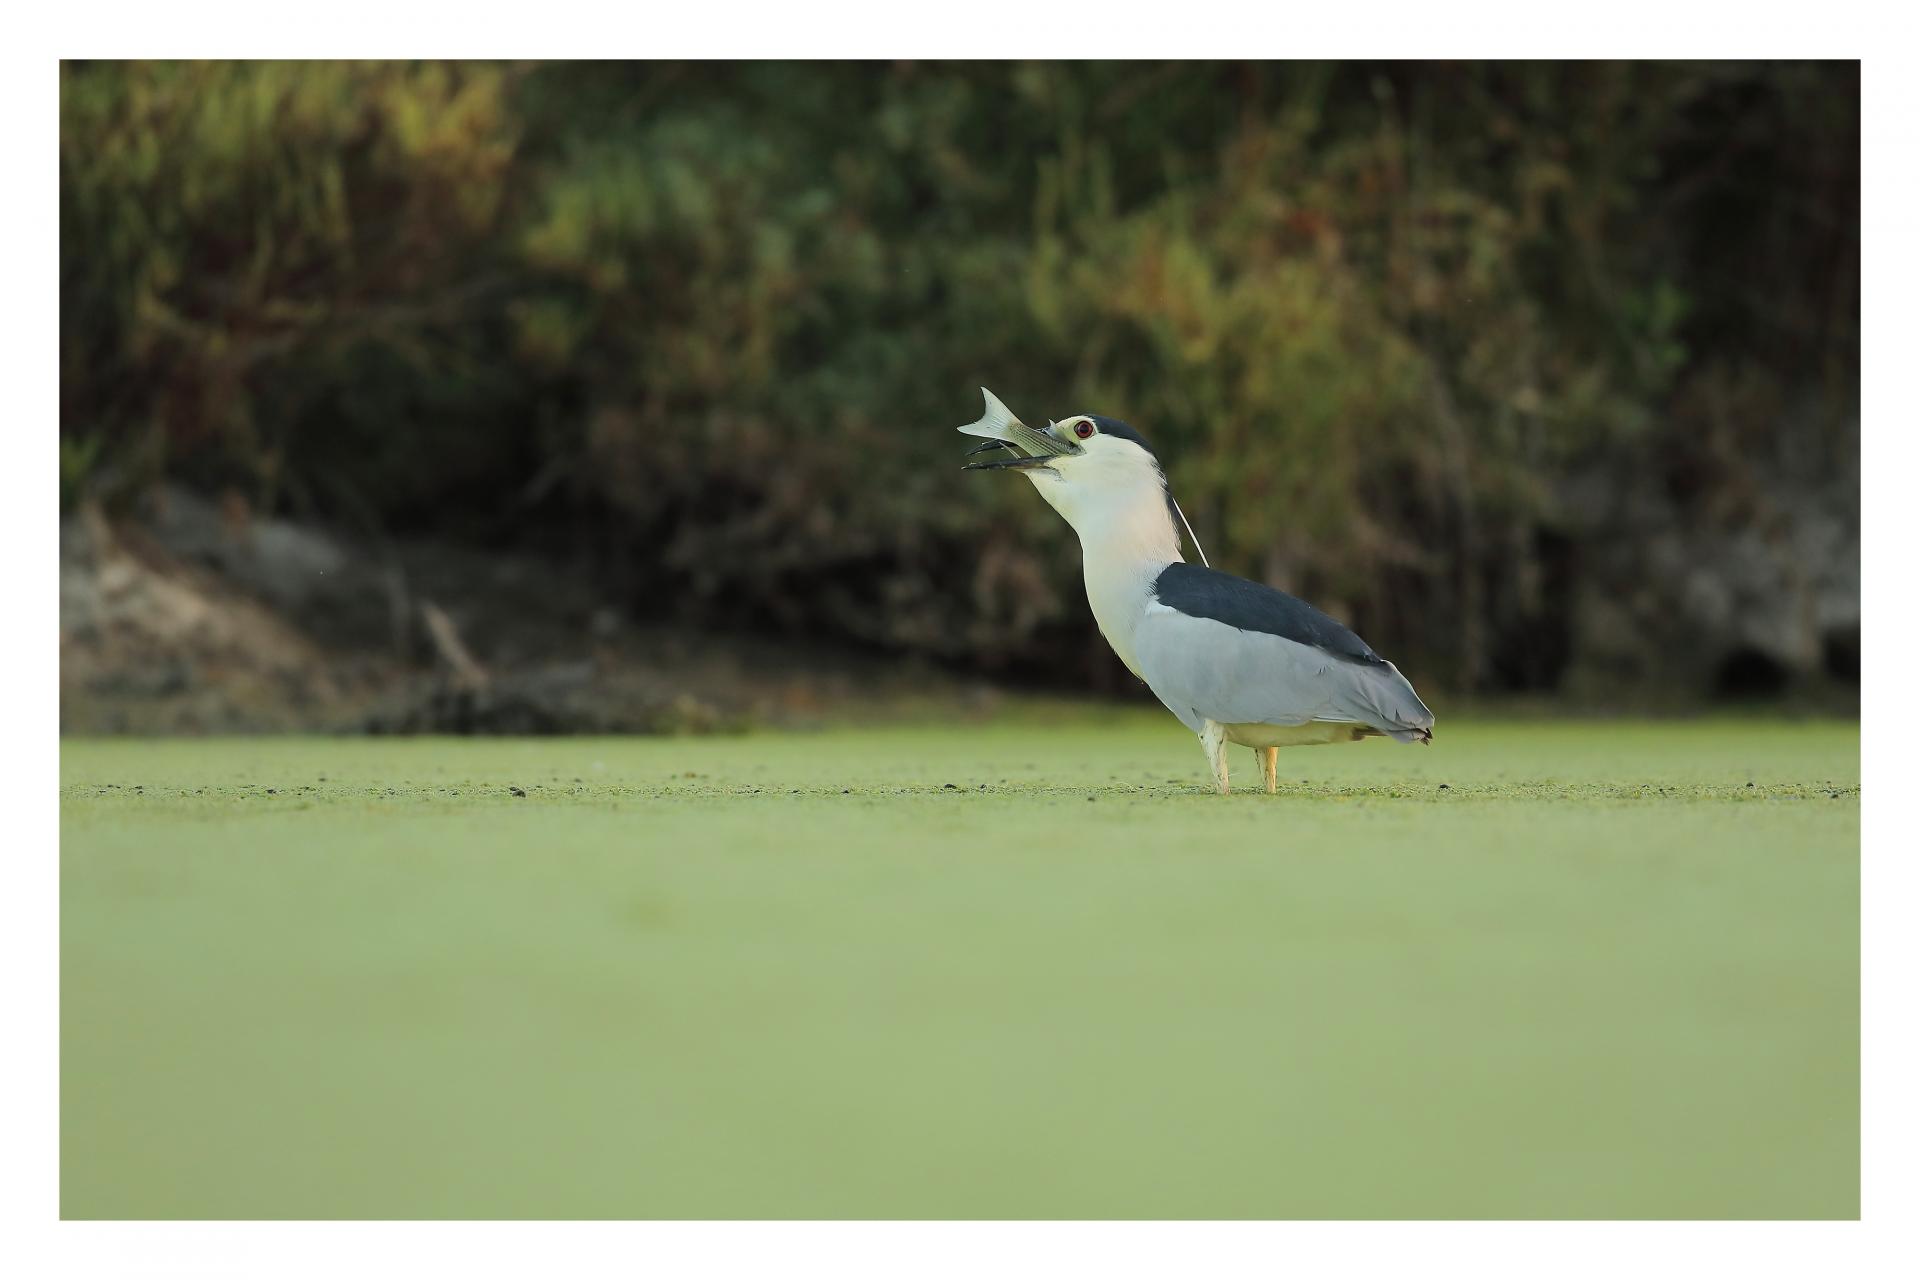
{"x": 1270, "y": 766}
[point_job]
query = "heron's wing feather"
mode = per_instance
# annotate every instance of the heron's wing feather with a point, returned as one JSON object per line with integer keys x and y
{"x": 1204, "y": 669}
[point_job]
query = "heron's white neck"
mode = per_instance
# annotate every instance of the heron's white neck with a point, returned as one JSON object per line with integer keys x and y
{"x": 1126, "y": 538}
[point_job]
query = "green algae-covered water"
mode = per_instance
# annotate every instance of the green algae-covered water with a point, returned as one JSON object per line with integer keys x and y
{"x": 1592, "y": 969}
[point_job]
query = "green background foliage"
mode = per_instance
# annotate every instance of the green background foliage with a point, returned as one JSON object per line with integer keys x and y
{"x": 703, "y": 330}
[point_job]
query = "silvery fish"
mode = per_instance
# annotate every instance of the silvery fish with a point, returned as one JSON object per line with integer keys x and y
{"x": 998, "y": 426}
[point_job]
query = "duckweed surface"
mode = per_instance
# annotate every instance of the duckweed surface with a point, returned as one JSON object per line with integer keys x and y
{"x": 1027, "y": 969}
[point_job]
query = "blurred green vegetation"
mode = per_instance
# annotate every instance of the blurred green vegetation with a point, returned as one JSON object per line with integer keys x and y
{"x": 704, "y": 330}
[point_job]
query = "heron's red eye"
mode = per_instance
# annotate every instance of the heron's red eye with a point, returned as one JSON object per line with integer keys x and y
{"x": 1083, "y": 428}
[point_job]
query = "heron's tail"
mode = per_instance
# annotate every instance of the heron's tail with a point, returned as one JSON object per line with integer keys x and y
{"x": 1383, "y": 698}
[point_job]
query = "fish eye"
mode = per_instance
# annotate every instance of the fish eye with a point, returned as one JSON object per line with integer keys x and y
{"x": 1083, "y": 429}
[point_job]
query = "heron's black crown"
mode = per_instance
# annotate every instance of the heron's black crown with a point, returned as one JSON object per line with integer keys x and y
{"x": 1115, "y": 427}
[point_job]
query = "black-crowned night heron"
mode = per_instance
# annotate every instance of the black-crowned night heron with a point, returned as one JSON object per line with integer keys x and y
{"x": 1234, "y": 660}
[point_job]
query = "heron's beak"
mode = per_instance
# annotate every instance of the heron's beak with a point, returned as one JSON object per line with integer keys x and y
{"x": 1036, "y": 461}
{"x": 1017, "y": 462}
{"x": 1028, "y": 448}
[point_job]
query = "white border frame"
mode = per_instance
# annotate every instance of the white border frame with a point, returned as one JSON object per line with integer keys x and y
{"x": 1633, "y": 28}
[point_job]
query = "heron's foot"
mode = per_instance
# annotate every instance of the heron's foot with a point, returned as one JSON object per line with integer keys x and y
{"x": 1269, "y": 767}
{"x": 1213, "y": 741}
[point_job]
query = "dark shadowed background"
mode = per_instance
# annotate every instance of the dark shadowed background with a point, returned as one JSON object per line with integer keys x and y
{"x": 550, "y": 397}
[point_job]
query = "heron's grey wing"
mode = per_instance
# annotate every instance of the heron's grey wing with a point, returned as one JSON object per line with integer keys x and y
{"x": 1206, "y": 670}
